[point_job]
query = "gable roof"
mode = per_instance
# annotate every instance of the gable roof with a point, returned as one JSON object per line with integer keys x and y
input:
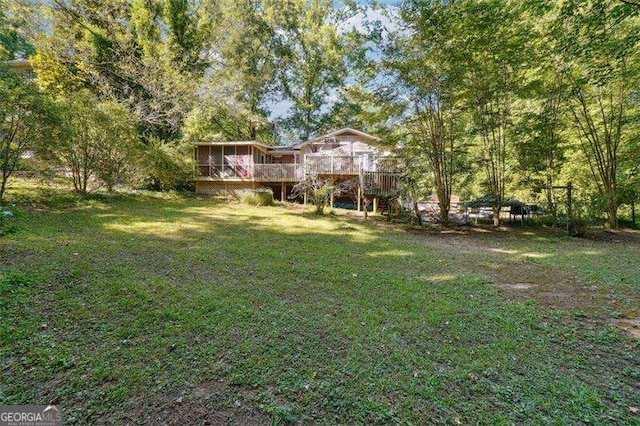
{"x": 290, "y": 149}
{"x": 343, "y": 131}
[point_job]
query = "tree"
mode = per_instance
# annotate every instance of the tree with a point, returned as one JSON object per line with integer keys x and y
{"x": 248, "y": 48}
{"x": 242, "y": 78}
{"x": 116, "y": 143}
{"x": 13, "y": 44}
{"x": 318, "y": 191}
{"x": 427, "y": 75}
{"x": 540, "y": 144}
{"x": 101, "y": 142}
{"x": 147, "y": 55}
{"x": 496, "y": 37}
{"x": 599, "y": 46}
{"x": 312, "y": 54}
{"x": 28, "y": 120}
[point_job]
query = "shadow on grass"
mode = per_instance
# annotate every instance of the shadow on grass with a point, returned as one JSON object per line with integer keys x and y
{"x": 185, "y": 310}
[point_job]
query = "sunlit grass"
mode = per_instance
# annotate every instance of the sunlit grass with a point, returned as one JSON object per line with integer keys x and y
{"x": 179, "y": 309}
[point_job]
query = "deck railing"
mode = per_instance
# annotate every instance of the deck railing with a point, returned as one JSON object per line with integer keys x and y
{"x": 333, "y": 165}
{"x": 255, "y": 172}
{"x": 381, "y": 173}
{"x": 277, "y": 172}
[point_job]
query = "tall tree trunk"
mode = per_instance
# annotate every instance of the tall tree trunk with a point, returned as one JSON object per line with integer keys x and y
{"x": 551, "y": 202}
{"x": 496, "y": 215}
{"x": 3, "y": 187}
{"x": 612, "y": 212}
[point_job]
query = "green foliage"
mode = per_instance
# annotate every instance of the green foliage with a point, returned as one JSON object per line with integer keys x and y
{"x": 29, "y": 120}
{"x": 164, "y": 166}
{"x": 597, "y": 42}
{"x": 246, "y": 75}
{"x": 115, "y": 49}
{"x": 226, "y": 121}
{"x": 100, "y": 144}
{"x": 13, "y": 44}
{"x": 259, "y": 197}
{"x": 117, "y": 144}
{"x": 313, "y": 59}
{"x": 317, "y": 191}
{"x": 6, "y": 222}
{"x": 431, "y": 108}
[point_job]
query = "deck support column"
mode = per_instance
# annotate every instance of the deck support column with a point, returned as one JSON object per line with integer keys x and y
{"x": 375, "y": 205}
{"x": 359, "y": 198}
{"x": 283, "y": 192}
{"x": 331, "y": 200}
{"x": 304, "y": 200}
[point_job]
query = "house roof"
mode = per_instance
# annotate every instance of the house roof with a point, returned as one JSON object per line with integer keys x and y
{"x": 355, "y": 147}
{"x": 292, "y": 149}
{"x": 343, "y": 131}
{"x": 18, "y": 63}
{"x": 223, "y": 143}
{"x": 277, "y": 150}
{"x": 283, "y": 150}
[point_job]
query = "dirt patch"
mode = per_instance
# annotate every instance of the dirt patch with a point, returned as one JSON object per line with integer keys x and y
{"x": 614, "y": 235}
{"x": 494, "y": 253}
{"x": 629, "y": 326}
{"x": 209, "y": 402}
{"x": 516, "y": 286}
{"x": 552, "y": 286}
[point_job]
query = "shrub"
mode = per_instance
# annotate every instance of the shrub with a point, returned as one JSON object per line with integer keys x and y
{"x": 165, "y": 166}
{"x": 318, "y": 192}
{"x": 579, "y": 227}
{"x": 259, "y": 197}
{"x": 6, "y": 222}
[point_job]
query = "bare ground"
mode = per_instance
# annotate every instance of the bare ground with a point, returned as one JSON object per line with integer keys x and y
{"x": 482, "y": 250}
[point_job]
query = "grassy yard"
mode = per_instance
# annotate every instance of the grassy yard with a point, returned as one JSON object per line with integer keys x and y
{"x": 170, "y": 309}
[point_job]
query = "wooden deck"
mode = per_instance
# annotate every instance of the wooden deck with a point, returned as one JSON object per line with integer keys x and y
{"x": 379, "y": 177}
{"x": 382, "y": 178}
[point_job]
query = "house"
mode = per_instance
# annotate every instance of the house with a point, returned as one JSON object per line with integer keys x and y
{"x": 235, "y": 167}
{"x": 22, "y": 67}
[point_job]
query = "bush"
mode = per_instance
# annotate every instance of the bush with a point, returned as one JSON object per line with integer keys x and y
{"x": 318, "y": 192}
{"x": 6, "y": 222}
{"x": 259, "y": 197}
{"x": 545, "y": 220}
{"x": 165, "y": 166}
{"x": 579, "y": 227}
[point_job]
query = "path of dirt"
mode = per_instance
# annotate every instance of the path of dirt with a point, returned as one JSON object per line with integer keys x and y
{"x": 489, "y": 252}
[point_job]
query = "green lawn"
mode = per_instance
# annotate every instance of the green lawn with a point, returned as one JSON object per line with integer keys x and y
{"x": 163, "y": 308}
